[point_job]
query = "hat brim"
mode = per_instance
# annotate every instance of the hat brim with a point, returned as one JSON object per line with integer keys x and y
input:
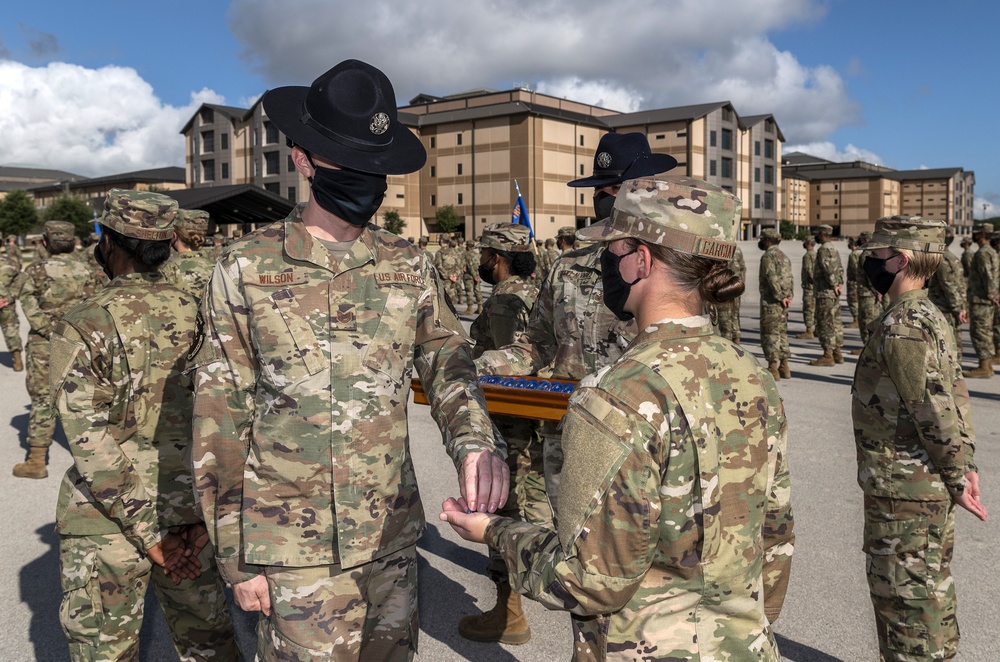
{"x": 645, "y": 165}
{"x": 600, "y": 232}
{"x": 283, "y": 106}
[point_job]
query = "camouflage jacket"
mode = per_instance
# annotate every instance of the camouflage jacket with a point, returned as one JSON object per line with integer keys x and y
{"x": 946, "y": 288}
{"x": 775, "y": 277}
{"x": 829, "y": 271}
{"x": 853, "y": 275}
{"x": 571, "y": 333}
{"x": 451, "y": 263}
{"x": 471, "y": 256}
{"x": 677, "y": 537}
{"x": 910, "y": 406}
{"x": 125, "y": 401}
{"x": 984, "y": 278}
{"x": 301, "y": 449}
{"x": 738, "y": 265}
{"x": 505, "y": 315}
{"x": 189, "y": 271}
{"x": 10, "y": 280}
{"x": 808, "y": 269}
{"x": 967, "y": 256}
{"x": 865, "y": 288}
{"x": 51, "y": 287}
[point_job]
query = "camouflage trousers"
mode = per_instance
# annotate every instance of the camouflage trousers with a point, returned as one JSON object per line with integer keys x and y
{"x": 42, "y": 418}
{"x": 472, "y": 291}
{"x": 981, "y": 329}
{"x": 552, "y": 464}
{"x": 868, "y": 311}
{"x": 729, "y": 320}
{"x": 852, "y": 299}
{"x": 104, "y": 582}
{"x": 527, "y": 501}
{"x": 454, "y": 290}
{"x": 829, "y": 326}
{"x": 327, "y": 613}
{"x": 908, "y": 546}
{"x": 996, "y": 328}
{"x": 809, "y": 307}
{"x": 10, "y": 325}
{"x": 774, "y": 332}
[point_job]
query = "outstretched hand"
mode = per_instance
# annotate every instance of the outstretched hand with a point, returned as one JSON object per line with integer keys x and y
{"x": 169, "y": 554}
{"x": 470, "y": 525}
{"x": 969, "y": 498}
{"x": 484, "y": 480}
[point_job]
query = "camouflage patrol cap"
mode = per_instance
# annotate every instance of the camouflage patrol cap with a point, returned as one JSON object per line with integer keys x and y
{"x": 504, "y": 236}
{"x": 983, "y": 227}
{"x": 866, "y": 235}
{"x": 824, "y": 229}
{"x": 567, "y": 231}
{"x": 192, "y": 220}
{"x": 59, "y": 230}
{"x": 911, "y": 232}
{"x": 140, "y": 214}
{"x": 770, "y": 233}
{"x": 685, "y": 214}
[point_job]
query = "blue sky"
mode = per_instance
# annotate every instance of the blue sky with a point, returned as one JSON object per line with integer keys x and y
{"x": 104, "y": 86}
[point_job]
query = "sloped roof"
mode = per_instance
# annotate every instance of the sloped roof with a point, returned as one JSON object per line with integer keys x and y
{"x": 675, "y": 114}
{"x": 232, "y": 112}
{"x": 753, "y": 120}
{"x": 150, "y": 176}
{"x": 25, "y": 177}
{"x": 847, "y": 172}
{"x": 498, "y": 110}
{"x": 926, "y": 173}
{"x": 234, "y": 203}
{"x": 801, "y": 158}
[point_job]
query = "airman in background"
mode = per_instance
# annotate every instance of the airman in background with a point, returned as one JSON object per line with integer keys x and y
{"x": 10, "y": 290}
{"x": 984, "y": 297}
{"x": 777, "y": 287}
{"x": 828, "y": 281}
{"x": 190, "y": 265}
{"x": 471, "y": 280}
{"x": 808, "y": 289}
{"x": 451, "y": 269}
{"x": 967, "y": 254}
{"x": 853, "y": 267}
{"x": 948, "y": 290}
{"x": 869, "y": 301}
{"x": 729, "y": 312}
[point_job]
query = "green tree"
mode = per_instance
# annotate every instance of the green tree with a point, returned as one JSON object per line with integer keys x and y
{"x": 72, "y": 209}
{"x": 448, "y": 219}
{"x": 392, "y": 222}
{"x": 17, "y": 213}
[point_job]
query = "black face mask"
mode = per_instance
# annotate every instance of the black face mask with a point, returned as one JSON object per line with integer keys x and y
{"x": 761, "y": 245}
{"x": 616, "y": 288}
{"x": 102, "y": 260}
{"x": 486, "y": 271}
{"x": 604, "y": 202}
{"x": 880, "y": 277}
{"x": 348, "y": 194}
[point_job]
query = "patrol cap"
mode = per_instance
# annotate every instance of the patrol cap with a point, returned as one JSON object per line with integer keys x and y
{"x": 59, "y": 230}
{"x": 866, "y": 235}
{"x": 825, "y": 229}
{"x": 567, "y": 231}
{"x": 193, "y": 220}
{"x": 770, "y": 233}
{"x": 685, "y": 214}
{"x": 911, "y": 232}
{"x": 140, "y": 214}
{"x": 983, "y": 227}
{"x": 505, "y": 236}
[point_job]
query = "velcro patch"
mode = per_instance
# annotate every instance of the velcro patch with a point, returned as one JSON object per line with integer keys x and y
{"x": 282, "y": 278}
{"x": 383, "y": 278}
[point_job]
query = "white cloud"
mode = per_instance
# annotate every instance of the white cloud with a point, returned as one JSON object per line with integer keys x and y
{"x": 829, "y": 151}
{"x": 633, "y": 55}
{"x": 992, "y": 205}
{"x": 89, "y": 121}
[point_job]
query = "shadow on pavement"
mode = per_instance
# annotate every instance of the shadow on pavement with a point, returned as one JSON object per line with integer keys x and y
{"x": 41, "y": 591}
{"x": 20, "y": 424}
{"x": 439, "y": 615}
{"x": 796, "y": 652}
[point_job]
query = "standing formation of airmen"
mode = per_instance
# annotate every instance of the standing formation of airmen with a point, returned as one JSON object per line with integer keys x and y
{"x": 259, "y": 440}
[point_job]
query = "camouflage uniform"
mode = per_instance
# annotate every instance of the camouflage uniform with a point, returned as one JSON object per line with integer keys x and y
{"x": 190, "y": 270}
{"x": 915, "y": 443}
{"x": 470, "y": 279}
{"x": 947, "y": 290}
{"x": 869, "y": 307}
{"x": 51, "y": 287}
{"x": 672, "y": 543}
{"x": 729, "y": 313}
{"x": 852, "y": 277}
{"x": 776, "y": 283}
{"x": 301, "y": 451}
{"x": 808, "y": 290}
{"x": 967, "y": 255}
{"x": 10, "y": 287}
{"x": 125, "y": 400}
{"x": 984, "y": 283}
{"x": 451, "y": 269}
{"x": 828, "y": 275}
{"x": 571, "y": 334}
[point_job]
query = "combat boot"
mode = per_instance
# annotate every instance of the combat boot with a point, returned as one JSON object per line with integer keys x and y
{"x": 34, "y": 467}
{"x": 505, "y": 623}
{"x": 984, "y": 371}
{"x": 825, "y": 360}
{"x": 772, "y": 367}
{"x": 852, "y": 325}
{"x": 837, "y": 356}
{"x": 784, "y": 370}
{"x": 479, "y": 309}
{"x": 807, "y": 334}
{"x": 15, "y": 357}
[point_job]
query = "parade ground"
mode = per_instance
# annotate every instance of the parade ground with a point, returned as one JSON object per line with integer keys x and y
{"x": 827, "y": 615}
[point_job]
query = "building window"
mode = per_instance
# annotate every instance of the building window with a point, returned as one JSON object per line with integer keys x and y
{"x": 291, "y": 164}
{"x": 768, "y": 149}
{"x": 661, "y": 136}
{"x": 207, "y": 116}
{"x": 223, "y": 141}
{"x": 769, "y": 126}
{"x": 756, "y": 174}
{"x": 711, "y": 168}
{"x": 836, "y": 186}
{"x": 768, "y": 174}
{"x": 727, "y": 139}
{"x": 459, "y": 139}
{"x": 835, "y": 201}
{"x": 225, "y": 170}
{"x": 271, "y": 161}
{"x": 581, "y": 141}
{"x": 711, "y": 138}
{"x": 207, "y": 142}
{"x": 756, "y": 200}
{"x": 682, "y": 134}
{"x": 292, "y": 194}
{"x": 581, "y": 170}
{"x": 768, "y": 200}
{"x": 460, "y": 168}
{"x": 727, "y": 168}
{"x": 256, "y": 136}
{"x": 835, "y": 217}
{"x": 270, "y": 133}
{"x": 581, "y": 198}
{"x": 727, "y": 115}
{"x": 400, "y": 196}
{"x": 433, "y": 142}
{"x": 208, "y": 170}
{"x": 274, "y": 188}
{"x": 434, "y": 171}
{"x": 434, "y": 200}
{"x": 756, "y": 148}
{"x": 459, "y": 198}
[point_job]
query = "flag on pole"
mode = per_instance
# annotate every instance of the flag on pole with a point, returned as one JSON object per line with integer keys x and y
{"x": 520, "y": 213}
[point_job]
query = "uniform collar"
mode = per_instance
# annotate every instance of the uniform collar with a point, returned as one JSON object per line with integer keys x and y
{"x": 668, "y": 329}
{"x": 300, "y": 245}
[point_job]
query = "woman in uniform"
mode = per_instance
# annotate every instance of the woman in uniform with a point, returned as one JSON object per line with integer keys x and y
{"x": 674, "y": 536}
{"x": 189, "y": 267}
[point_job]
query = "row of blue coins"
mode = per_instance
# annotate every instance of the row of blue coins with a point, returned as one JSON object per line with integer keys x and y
{"x": 530, "y": 384}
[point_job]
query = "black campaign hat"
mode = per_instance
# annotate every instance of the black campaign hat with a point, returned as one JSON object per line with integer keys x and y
{"x": 622, "y": 156}
{"x": 348, "y": 117}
